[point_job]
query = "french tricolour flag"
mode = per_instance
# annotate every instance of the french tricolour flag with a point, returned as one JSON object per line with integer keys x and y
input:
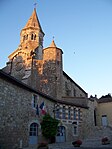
{"x": 42, "y": 107}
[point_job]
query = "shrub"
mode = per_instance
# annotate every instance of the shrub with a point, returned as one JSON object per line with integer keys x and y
{"x": 49, "y": 126}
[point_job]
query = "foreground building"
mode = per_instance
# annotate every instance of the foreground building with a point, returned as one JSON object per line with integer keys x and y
{"x": 34, "y": 76}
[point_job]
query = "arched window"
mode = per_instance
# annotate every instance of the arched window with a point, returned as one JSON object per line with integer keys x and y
{"x": 33, "y": 129}
{"x": 31, "y": 36}
{"x": 35, "y": 37}
{"x": 26, "y": 36}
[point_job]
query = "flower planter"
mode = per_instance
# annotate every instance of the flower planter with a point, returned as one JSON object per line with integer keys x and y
{"x": 76, "y": 145}
{"x": 105, "y": 143}
{"x": 43, "y": 147}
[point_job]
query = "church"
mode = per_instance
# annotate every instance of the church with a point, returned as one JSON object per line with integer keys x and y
{"x": 34, "y": 76}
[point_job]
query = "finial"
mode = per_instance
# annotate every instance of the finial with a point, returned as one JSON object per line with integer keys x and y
{"x": 35, "y": 5}
{"x": 53, "y": 37}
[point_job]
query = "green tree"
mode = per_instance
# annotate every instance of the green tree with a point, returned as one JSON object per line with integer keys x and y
{"x": 49, "y": 126}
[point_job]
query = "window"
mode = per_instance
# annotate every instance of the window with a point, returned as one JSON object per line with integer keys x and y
{"x": 104, "y": 120}
{"x": 69, "y": 114}
{"x": 57, "y": 113}
{"x": 63, "y": 113}
{"x": 32, "y": 37}
{"x": 33, "y": 129}
{"x": 79, "y": 117}
{"x": 74, "y": 114}
{"x": 27, "y": 37}
{"x": 75, "y": 130}
{"x": 35, "y": 37}
{"x": 34, "y": 101}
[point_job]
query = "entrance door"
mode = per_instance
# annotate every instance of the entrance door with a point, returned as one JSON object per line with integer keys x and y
{"x": 104, "y": 120}
{"x": 33, "y": 134}
{"x": 61, "y": 134}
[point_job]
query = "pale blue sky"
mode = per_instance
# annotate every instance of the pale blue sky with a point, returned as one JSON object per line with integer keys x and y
{"x": 80, "y": 26}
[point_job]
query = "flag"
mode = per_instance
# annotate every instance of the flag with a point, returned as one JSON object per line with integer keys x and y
{"x": 42, "y": 107}
{"x": 37, "y": 110}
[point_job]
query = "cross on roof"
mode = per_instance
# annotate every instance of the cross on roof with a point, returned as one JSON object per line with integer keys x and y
{"x": 35, "y": 4}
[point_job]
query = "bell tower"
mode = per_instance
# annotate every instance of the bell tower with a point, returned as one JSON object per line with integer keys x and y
{"x": 30, "y": 48}
{"x": 31, "y": 35}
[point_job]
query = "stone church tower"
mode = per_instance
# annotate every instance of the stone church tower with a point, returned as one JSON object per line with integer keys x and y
{"x": 52, "y": 70}
{"x": 40, "y": 68}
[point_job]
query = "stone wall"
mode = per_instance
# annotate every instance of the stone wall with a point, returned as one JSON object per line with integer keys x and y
{"x": 105, "y": 109}
{"x": 70, "y": 88}
{"x": 17, "y": 113}
{"x": 88, "y": 124}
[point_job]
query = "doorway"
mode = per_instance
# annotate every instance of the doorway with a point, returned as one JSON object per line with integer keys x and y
{"x": 61, "y": 134}
{"x": 33, "y": 134}
{"x": 104, "y": 120}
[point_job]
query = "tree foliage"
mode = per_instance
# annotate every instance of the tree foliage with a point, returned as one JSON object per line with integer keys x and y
{"x": 49, "y": 126}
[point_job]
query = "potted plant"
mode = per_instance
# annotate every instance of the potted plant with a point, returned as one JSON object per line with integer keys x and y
{"x": 105, "y": 140}
{"x": 77, "y": 143}
{"x": 43, "y": 145}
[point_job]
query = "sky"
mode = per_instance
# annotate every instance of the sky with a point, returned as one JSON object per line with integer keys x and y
{"x": 81, "y": 28}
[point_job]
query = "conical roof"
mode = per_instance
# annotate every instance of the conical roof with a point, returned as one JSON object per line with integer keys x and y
{"x": 33, "y": 21}
{"x": 52, "y": 44}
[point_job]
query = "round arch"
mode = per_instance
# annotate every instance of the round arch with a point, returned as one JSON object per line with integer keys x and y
{"x": 33, "y": 132}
